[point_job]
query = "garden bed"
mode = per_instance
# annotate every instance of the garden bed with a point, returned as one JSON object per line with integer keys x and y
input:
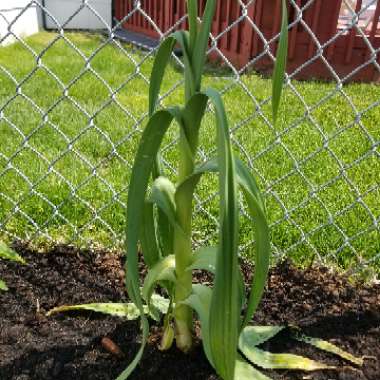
{"x": 32, "y": 346}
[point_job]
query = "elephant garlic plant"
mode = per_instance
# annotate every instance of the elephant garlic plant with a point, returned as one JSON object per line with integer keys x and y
{"x": 159, "y": 216}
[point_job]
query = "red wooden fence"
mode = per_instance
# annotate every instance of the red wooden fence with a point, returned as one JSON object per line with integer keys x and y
{"x": 238, "y": 40}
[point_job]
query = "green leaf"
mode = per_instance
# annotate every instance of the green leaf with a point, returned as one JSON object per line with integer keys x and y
{"x": 267, "y": 360}
{"x": 255, "y": 335}
{"x": 200, "y": 49}
{"x": 149, "y": 146}
{"x": 248, "y": 181}
{"x": 225, "y": 302}
{"x": 9, "y": 254}
{"x": 162, "y": 195}
{"x": 329, "y": 347}
{"x": 183, "y": 40}
{"x": 191, "y": 119}
{"x": 244, "y": 371}
{"x": 205, "y": 259}
{"x": 123, "y": 310}
{"x": 3, "y": 285}
{"x": 164, "y": 270}
{"x": 158, "y": 71}
{"x": 148, "y": 237}
{"x": 280, "y": 66}
{"x": 192, "y": 10}
{"x": 262, "y": 241}
{"x": 200, "y": 301}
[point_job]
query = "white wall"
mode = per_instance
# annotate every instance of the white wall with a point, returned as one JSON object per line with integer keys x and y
{"x": 28, "y": 23}
{"x": 62, "y": 10}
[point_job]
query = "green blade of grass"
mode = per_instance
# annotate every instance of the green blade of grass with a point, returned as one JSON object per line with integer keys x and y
{"x": 225, "y": 302}
{"x": 280, "y": 65}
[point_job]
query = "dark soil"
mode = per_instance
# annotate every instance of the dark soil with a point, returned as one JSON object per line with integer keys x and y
{"x": 324, "y": 304}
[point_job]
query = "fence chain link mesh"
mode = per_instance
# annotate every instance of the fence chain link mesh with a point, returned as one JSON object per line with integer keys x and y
{"x": 306, "y": 217}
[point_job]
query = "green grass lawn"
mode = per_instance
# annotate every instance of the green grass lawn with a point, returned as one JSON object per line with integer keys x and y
{"x": 75, "y": 187}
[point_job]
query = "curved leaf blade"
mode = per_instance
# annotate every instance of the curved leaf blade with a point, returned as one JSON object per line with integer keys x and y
{"x": 162, "y": 271}
{"x": 146, "y": 155}
{"x": 163, "y": 192}
{"x": 255, "y": 335}
{"x": 267, "y": 360}
{"x": 205, "y": 259}
{"x": 329, "y": 347}
{"x": 200, "y": 49}
{"x": 244, "y": 371}
{"x": 262, "y": 239}
{"x": 122, "y": 310}
{"x": 158, "y": 71}
{"x": 225, "y": 302}
{"x": 148, "y": 237}
{"x": 200, "y": 301}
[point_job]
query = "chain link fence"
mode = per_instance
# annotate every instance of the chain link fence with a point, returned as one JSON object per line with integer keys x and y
{"x": 72, "y": 107}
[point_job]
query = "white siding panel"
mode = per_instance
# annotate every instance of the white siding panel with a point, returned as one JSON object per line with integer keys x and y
{"x": 62, "y": 10}
{"x": 18, "y": 17}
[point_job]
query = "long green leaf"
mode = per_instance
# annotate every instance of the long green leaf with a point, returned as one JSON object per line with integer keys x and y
{"x": 192, "y": 10}
{"x": 256, "y": 210}
{"x": 200, "y": 301}
{"x": 183, "y": 40}
{"x": 245, "y": 371}
{"x": 3, "y": 285}
{"x": 148, "y": 237}
{"x": 262, "y": 240}
{"x": 329, "y": 347}
{"x": 225, "y": 302}
{"x": 149, "y": 146}
{"x": 159, "y": 66}
{"x": 122, "y": 310}
{"x": 280, "y": 66}
{"x": 267, "y": 360}
{"x": 200, "y": 50}
{"x": 191, "y": 118}
{"x": 255, "y": 335}
{"x": 9, "y": 254}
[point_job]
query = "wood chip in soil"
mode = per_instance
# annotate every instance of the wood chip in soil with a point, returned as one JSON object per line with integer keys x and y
{"x": 69, "y": 346}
